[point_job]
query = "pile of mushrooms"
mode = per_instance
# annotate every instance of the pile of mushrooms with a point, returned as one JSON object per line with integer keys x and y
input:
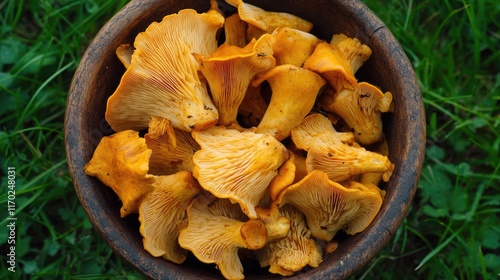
{"x": 263, "y": 145}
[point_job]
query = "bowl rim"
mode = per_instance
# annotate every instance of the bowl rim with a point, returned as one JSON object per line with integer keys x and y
{"x": 379, "y": 235}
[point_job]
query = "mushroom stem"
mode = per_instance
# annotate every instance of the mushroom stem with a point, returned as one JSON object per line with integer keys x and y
{"x": 294, "y": 91}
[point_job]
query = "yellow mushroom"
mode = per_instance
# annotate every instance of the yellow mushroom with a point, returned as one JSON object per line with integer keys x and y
{"x": 162, "y": 79}
{"x": 121, "y": 162}
{"x": 237, "y": 165}
{"x": 161, "y": 214}
{"x": 235, "y": 31}
{"x": 124, "y": 53}
{"x": 313, "y": 125}
{"x": 293, "y": 46}
{"x": 268, "y": 21}
{"x": 330, "y": 207}
{"x": 172, "y": 149}
{"x": 216, "y": 230}
{"x": 352, "y": 49}
{"x": 340, "y": 161}
{"x": 229, "y": 70}
{"x": 361, "y": 109}
{"x": 292, "y": 253}
{"x": 294, "y": 91}
{"x": 330, "y": 63}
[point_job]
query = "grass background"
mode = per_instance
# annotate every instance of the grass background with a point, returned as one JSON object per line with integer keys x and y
{"x": 452, "y": 230}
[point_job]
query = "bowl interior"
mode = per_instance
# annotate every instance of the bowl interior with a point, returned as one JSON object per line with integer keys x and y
{"x": 99, "y": 74}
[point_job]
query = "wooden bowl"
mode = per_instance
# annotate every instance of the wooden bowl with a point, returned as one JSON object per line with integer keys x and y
{"x": 99, "y": 74}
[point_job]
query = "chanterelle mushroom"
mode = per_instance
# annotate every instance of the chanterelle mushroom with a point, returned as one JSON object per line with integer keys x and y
{"x": 162, "y": 79}
{"x": 268, "y": 21}
{"x": 229, "y": 70}
{"x": 292, "y": 253}
{"x": 330, "y": 207}
{"x": 124, "y": 53}
{"x": 361, "y": 109}
{"x": 340, "y": 161}
{"x": 313, "y": 125}
{"x": 331, "y": 64}
{"x": 237, "y": 165}
{"x": 161, "y": 213}
{"x": 294, "y": 91}
{"x": 172, "y": 149}
{"x": 216, "y": 230}
{"x": 293, "y": 46}
{"x": 352, "y": 49}
{"x": 121, "y": 162}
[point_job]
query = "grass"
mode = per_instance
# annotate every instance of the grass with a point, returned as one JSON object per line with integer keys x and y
{"x": 451, "y": 232}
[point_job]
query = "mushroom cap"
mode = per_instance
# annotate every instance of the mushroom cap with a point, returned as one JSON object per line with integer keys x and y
{"x": 352, "y": 49}
{"x": 268, "y": 20}
{"x": 330, "y": 63}
{"x": 292, "y": 253}
{"x": 293, "y": 46}
{"x": 161, "y": 212}
{"x": 313, "y": 125}
{"x": 216, "y": 229}
{"x": 237, "y": 165}
{"x": 124, "y": 53}
{"x": 340, "y": 161}
{"x": 361, "y": 109}
{"x": 162, "y": 79}
{"x": 330, "y": 207}
{"x": 172, "y": 149}
{"x": 235, "y": 31}
{"x": 121, "y": 162}
{"x": 294, "y": 91}
{"x": 229, "y": 70}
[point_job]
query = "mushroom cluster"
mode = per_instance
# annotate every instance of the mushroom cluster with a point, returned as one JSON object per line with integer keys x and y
{"x": 255, "y": 139}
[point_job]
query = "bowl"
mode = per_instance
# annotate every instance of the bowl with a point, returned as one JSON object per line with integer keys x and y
{"x": 99, "y": 74}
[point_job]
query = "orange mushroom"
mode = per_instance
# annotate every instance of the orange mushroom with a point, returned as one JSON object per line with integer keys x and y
{"x": 161, "y": 214}
{"x": 330, "y": 207}
{"x": 121, "y": 162}
{"x": 229, "y": 70}
{"x": 237, "y": 165}
{"x": 162, "y": 79}
{"x": 294, "y": 91}
{"x": 216, "y": 230}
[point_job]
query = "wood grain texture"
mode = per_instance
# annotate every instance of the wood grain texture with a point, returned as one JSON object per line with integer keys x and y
{"x": 98, "y": 76}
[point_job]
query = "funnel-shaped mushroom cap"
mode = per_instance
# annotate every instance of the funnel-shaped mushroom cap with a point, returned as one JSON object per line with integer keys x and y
{"x": 292, "y": 46}
{"x": 162, "y": 79}
{"x": 216, "y": 229}
{"x": 340, "y": 161}
{"x": 313, "y": 125}
{"x": 354, "y": 51}
{"x": 294, "y": 91}
{"x": 229, "y": 70}
{"x": 172, "y": 149}
{"x": 237, "y": 165}
{"x": 361, "y": 109}
{"x": 331, "y": 64}
{"x": 235, "y": 31}
{"x": 120, "y": 161}
{"x": 292, "y": 253}
{"x": 161, "y": 213}
{"x": 330, "y": 207}
{"x": 124, "y": 53}
{"x": 268, "y": 21}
